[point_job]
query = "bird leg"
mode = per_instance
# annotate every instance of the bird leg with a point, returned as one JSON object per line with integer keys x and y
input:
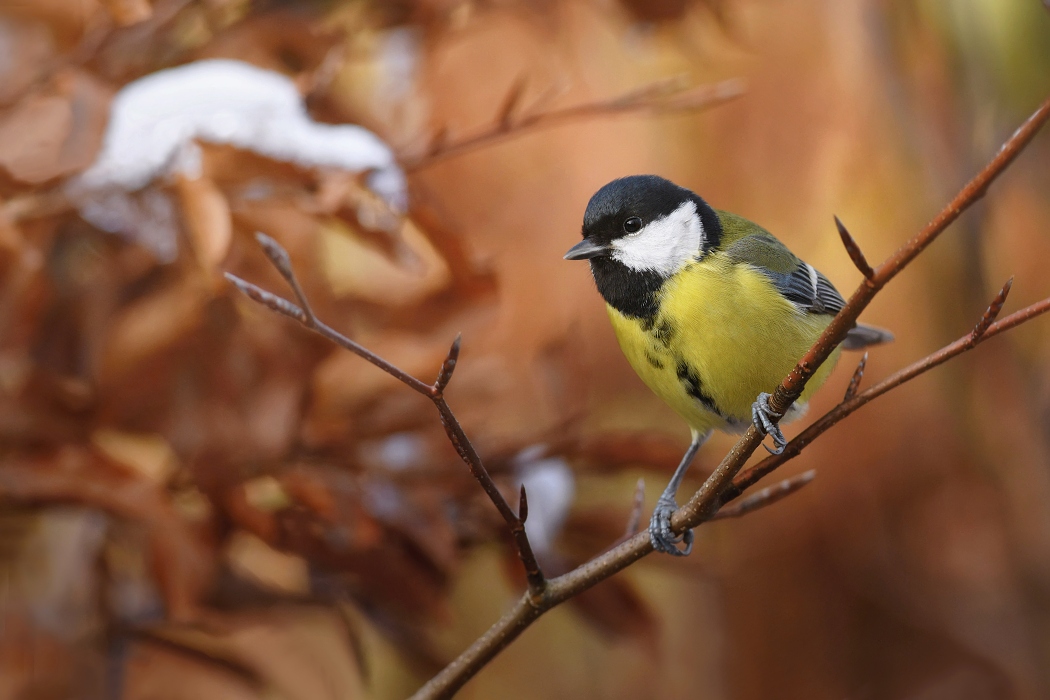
{"x": 660, "y": 525}
{"x": 762, "y": 416}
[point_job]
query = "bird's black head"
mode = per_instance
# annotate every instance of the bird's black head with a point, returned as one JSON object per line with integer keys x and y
{"x": 637, "y": 232}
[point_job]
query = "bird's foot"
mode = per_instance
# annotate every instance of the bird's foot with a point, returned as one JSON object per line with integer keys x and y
{"x": 762, "y": 416}
{"x": 660, "y": 530}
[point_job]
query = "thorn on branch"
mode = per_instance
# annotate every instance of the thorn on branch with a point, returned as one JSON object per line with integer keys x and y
{"x": 855, "y": 253}
{"x": 505, "y": 118}
{"x": 272, "y": 301}
{"x": 766, "y": 497}
{"x": 438, "y": 141}
{"x": 992, "y": 312}
{"x": 523, "y": 506}
{"x": 635, "y": 518}
{"x": 448, "y": 366}
{"x": 854, "y": 382}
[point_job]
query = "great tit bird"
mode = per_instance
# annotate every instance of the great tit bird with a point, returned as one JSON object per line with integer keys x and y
{"x": 711, "y": 310}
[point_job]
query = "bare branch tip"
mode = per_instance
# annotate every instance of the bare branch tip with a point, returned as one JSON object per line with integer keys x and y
{"x": 992, "y": 312}
{"x": 858, "y": 375}
{"x": 448, "y": 366}
{"x": 635, "y": 518}
{"x": 276, "y": 253}
{"x": 453, "y": 352}
{"x": 523, "y": 506}
{"x": 505, "y": 117}
{"x": 805, "y": 477}
{"x": 854, "y": 251}
{"x": 733, "y": 87}
{"x": 438, "y": 141}
{"x": 245, "y": 287}
{"x": 767, "y": 496}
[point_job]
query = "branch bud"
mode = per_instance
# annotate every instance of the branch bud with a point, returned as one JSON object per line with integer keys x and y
{"x": 992, "y": 312}
{"x": 523, "y": 506}
{"x": 855, "y": 253}
{"x": 449, "y": 365}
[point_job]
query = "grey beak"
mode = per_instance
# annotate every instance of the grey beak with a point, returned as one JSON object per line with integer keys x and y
{"x": 585, "y": 250}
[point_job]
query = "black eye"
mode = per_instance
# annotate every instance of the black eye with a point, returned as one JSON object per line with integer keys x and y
{"x": 632, "y": 225}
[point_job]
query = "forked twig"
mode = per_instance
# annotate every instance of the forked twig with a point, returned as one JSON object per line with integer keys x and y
{"x": 435, "y": 392}
{"x": 706, "y": 502}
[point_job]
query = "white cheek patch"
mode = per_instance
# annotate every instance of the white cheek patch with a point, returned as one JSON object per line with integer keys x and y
{"x": 665, "y": 245}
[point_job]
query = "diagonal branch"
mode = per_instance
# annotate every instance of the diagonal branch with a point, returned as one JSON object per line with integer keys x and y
{"x": 435, "y": 392}
{"x": 705, "y": 502}
{"x": 766, "y": 497}
{"x": 986, "y": 328}
{"x": 662, "y": 96}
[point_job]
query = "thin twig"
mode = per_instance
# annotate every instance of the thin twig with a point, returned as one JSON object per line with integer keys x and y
{"x": 766, "y": 497}
{"x": 858, "y": 375}
{"x": 287, "y": 308}
{"x": 449, "y": 365}
{"x": 854, "y": 251}
{"x": 523, "y": 505}
{"x": 435, "y": 392}
{"x": 705, "y": 502}
{"x": 662, "y": 96}
{"x": 635, "y": 518}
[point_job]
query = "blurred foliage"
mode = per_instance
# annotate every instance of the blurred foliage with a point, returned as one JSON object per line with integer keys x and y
{"x": 201, "y": 500}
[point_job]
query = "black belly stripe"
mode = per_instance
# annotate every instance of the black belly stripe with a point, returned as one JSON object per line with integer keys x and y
{"x": 653, "y": 360}
{"x": 691, "y": 381}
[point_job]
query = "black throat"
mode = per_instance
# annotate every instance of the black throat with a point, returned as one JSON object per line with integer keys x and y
{"x": 630, "y": 292}
{"x": 635, "y": 293}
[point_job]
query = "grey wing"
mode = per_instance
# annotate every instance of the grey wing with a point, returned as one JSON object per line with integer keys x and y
{"x": 798, "y": 281}
{"x": 801, "y": 284}
{"x": 809, "y": 290}
{"x": 814, "y": 293}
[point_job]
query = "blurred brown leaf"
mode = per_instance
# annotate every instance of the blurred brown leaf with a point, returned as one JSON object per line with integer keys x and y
{"x": 128, "y": 12}
{"x": 54, "y": 131}
{"x": 182, "y": 562}
{"x": 206, "y": 214}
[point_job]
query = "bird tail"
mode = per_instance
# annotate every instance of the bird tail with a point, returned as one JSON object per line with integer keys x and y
{"x": 861, "y": 336}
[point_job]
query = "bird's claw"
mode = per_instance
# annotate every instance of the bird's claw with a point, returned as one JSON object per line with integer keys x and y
{"x": 660, "y": 530}
{"x": 762, "y": 416}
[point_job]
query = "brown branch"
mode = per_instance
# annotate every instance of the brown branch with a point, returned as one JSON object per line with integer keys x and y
{"x": 986, "y": 328}
{"x": 705, "y": 502}
{"x": 435, "y": 392}
{"x": 858, "y": 375}
{"x": 662, "y": 96}
{"x": 853, "y": 248}
{"x": 766, "y": 497}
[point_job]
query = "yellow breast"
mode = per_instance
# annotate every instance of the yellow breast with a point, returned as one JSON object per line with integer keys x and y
{"x": 722, "y": 335}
